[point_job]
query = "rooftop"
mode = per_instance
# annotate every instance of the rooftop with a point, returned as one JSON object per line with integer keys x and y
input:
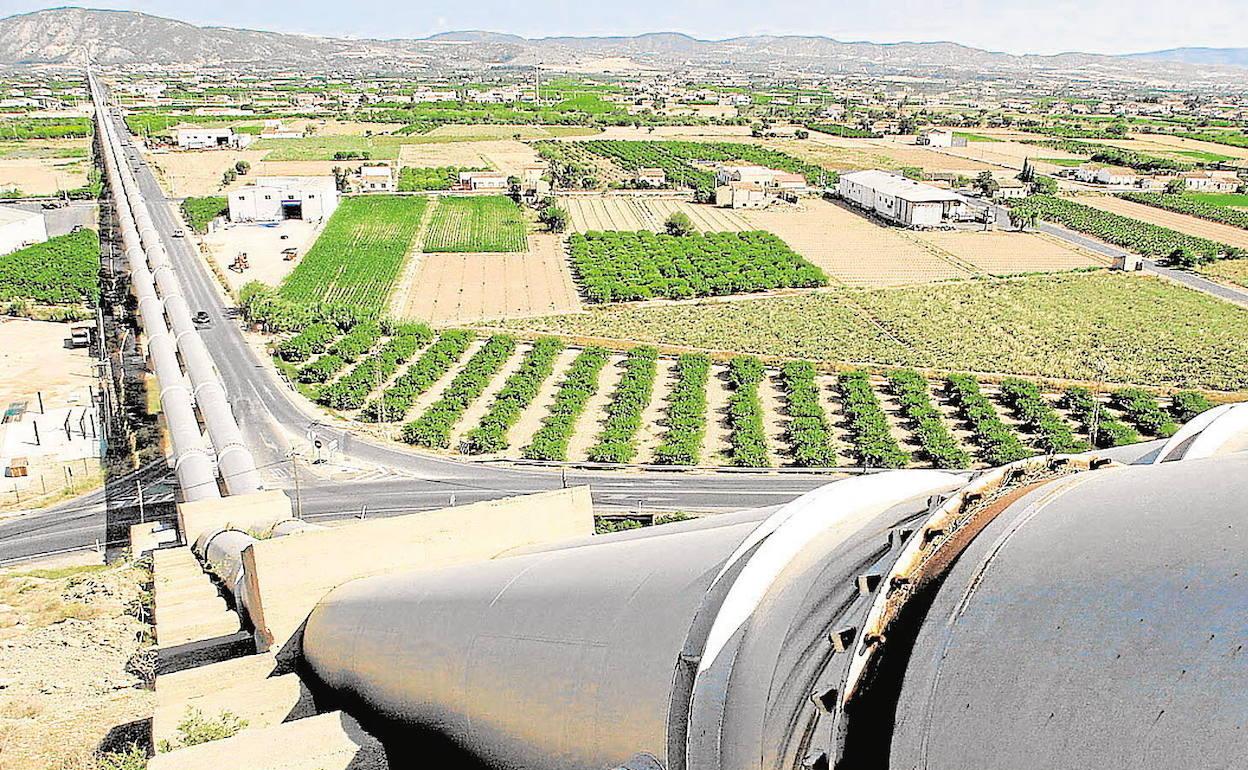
{"x": 900, "y": 187}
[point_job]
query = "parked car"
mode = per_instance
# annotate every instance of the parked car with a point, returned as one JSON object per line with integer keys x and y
{"x": 179, "y": 233}
{"x": 202, "y": 317}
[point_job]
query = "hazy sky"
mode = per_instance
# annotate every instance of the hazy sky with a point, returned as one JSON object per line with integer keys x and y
{"x": 1017, "y": 26}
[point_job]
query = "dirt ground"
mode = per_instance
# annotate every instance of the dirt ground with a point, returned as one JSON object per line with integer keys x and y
{"x": 1215, "y": 231}
{"x": 455, "y": 288}
{"x": 42, "y": 176}
{"x": 33, "y": 358}
{"x": 1008, "y": 253}
{"x": 844, "y": 154}
{"x": 852, "y": 249}
{"x": 473, "y": 132}
{"x": 74, "y": 669}
{"x": 191, "y": 173}
{"x": 1008, "y": 154}
{"x": 503, "y": 155}
{"x": 705, "y": 133}
{"x": 620, "y": 212}
{"x": 263, "y": 246}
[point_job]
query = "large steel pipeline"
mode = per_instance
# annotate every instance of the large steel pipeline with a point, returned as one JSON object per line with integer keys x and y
{"x": 234, "y": 461}
{"x": 192, "y": 463}
{"x": 758, "y": 640}
{"x": 222, "y": 554}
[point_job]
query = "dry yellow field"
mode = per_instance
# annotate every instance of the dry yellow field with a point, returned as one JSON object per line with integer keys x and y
{"x": 1009, "y": 253}
{"x": 1229, "y": 270}
{"x": 1008, "y": 154}
{"x": 199, "y": 173}
{"x": 644, "y": 213}
{"x": 852, "y": 249}
{"x": 42, "y": 176}
{"x": 477, "y": 131}
{"x": 508, "y": 156}
{"x": 454, "y": 288}
{"x": 1214, "y": 231}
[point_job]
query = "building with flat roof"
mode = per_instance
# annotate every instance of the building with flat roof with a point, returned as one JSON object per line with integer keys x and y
{"x": 901, "y": 200}
{"x": 20, "y": 228}
{"x": 276, "y": 198}
{"x": 194, "y": 138}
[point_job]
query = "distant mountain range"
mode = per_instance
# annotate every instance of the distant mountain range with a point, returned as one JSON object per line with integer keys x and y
{"x": 1231, "y": 57}
{"x": 76, "y": 36}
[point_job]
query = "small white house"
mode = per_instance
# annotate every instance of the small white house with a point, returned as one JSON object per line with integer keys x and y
{"x": 1113, "y": 176}
{"x": 762, "y": 175}
{"x": 275, "y": 129}
{"x": 1211, "y": 181}
{"x": 936, "y": 138}
{"x": 212, "y": 138}
{"x": 901, "y": 200}
{"x": 20, "y": 228}
{"x": 1010, "y": 189}
{"x": 277, "y": 198}
{"x": 651, "y": 177}
{"x": 376, "y": 179}
{"x": 742, "y": 195}
{"x": 482, "y": 180}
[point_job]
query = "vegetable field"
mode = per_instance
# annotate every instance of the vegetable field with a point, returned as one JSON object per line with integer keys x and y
{"x": 359, "y": 256}
{"x": 61, "y": 271}
{"x": 622, "y": 266}
{"x": 414, "y": 179}
{"x": 476, "y": 224}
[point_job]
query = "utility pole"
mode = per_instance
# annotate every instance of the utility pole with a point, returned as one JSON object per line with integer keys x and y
{"x": 294, "y": 469}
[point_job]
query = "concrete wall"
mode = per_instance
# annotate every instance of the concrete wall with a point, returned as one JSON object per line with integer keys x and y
{"x": 258, "y": 510}
{"x": 288, "y": 576}
{"x": 24, "y": 229}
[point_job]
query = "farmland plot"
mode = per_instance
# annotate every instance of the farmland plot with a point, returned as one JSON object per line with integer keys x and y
{"x": 453, "y": 288}
{"x": 360, "y": 254}
{"x": 1183, "y": 223}
{"x": 645, "y": 213}
{"x": 487, "y": 223}
{"x": 852, "y": 249}
{"x": 1011, "y": 253}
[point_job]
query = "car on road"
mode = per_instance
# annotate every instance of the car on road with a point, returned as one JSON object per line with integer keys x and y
{"x": 179, "y": 233}
{"x": 202, "y": 317}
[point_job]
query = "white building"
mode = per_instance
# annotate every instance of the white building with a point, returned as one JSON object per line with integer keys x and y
{"x": 20, "y": 228}
{"x": 742, "y": 195}
{"x": 758, "y": 174}
{"x": 274, "y": 129}
{"x": 1211, "y": 181}
{"x": 901, "y": 200}
{"x": 1114, "y": 176}
{"x": 275, "y": 198}
{"x": 651, "y": 177}
{"x": 482, "y": 180}
{"x": 211, "y": 138}
{"x": 378, "y": 179}
{"x": 940, "y": 139}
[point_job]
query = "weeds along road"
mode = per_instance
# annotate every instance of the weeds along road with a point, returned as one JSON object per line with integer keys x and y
{"x": 411, "y": 482}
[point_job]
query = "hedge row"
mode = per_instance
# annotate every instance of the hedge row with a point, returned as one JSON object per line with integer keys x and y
{"x": 998, "y": 442}
{"x": 347, "y": 349}
{"x": 394, "y": 404}
{"x": 433, "y": 428}
{"x": 1142, "y": 411}
{"x": 747, "y": 438}
{"x": 686, "y": 412}
{"x": 320, "y": 369}
{"x": 616, "y": 443}
{"x": 351, "y": 390}
{"x": 517, "y": 392}
{"x": 551, "y": 440}
{"x": 1098, "y": 422}
{"x": 868, "y": 426}
{"x": 807, "y": 433}
{"x": 1053, "y": 434}
{"x": 939, "y": 444}
{"x": 1186, "y": 404}
{"x": 314, "y": 339}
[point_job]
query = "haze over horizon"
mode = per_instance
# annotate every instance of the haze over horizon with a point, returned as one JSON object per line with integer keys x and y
{"x": 1011, "y": 26}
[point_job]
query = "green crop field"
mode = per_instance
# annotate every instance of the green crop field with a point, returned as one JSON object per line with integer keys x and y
{"x": 621, "y": 266}
{"x": 385, "y": 147}
{"x": 1230, "y": 200}
{"x": 486, "y": 223}
{"x": 1085, "y": 326}
{"x": 61, "y": 271}
{"x": 413, "y": 179}
{"x": 1066, "y": 162}
{"x": 360, "y": 254}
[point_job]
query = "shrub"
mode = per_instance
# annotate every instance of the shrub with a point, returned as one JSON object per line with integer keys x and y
{"x": 198, "y": 212}
{"x": 616, "y": 442}
{"x": 747, "y": 438}
{"x": 939, "y": 444}
{"x": 810, "y": 440}
{"x": 64, "y": 270}
{"x": 433, "y": 428}
{"x": 1187, "y": 404}
{"x": 1142, "y": 411}
{"x": 313, "y": 339}
{"x": 1052, "y": 433}
{"x": 517, "y": 392}
{"x": 581, "y": 381}
{"x": 351, "y": 390}
{"x": 868, "y": 426}
{"x": 678, "y": 223}
{"x": 394, "y": 404}
{"x": 1098, "y": 422}
{"x": 686, "y": 412}
{"x": 998, "y": 442}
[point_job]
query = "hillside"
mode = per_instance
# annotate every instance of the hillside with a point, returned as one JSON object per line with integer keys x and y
{"x": 75, "y": 36}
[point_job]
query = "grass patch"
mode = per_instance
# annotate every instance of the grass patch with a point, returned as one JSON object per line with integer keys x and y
{"x": 473, "y": 224}
{"x": 1124, "y": 328}
{"x": 1066, "y": 162}
{"x": 198, "y": 212}
{"x": 1230, "y": 200}
{"x": 1229, "y": 270}
{"x": 64, "y": 270}
{"x": 974, "y": 137}
{"x": 384, "y": 147}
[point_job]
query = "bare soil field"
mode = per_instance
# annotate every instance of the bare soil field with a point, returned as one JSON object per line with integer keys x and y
{"x": 503, "y": 155}
{"x": 1009, "y": 253}
{"x": 1008, "y": 154}
{"x": 263, "y": 246}
{"x": 42, "y": 176}
{"x": 843, "y": 154}
{"x": 477, "y": 131}
{"x": 852, "y": 249}
{"x": 34, "y": 359}
{"x": 1214, "y": 231}
{"x": 452, "y": 288}
{"x": 624, "y": 212}
{"x": 184, "y": 174}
